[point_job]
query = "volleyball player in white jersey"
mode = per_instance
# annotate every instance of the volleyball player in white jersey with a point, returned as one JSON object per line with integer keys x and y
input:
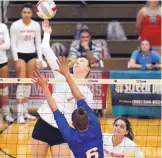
{"x": 4, "y": 45}
{"x": 26, "y": 47}
{"x": 45, "y": 133}
{"x": 120, "y": 143}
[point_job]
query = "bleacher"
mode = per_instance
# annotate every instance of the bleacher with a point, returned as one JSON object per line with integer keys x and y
{"x": 96, "y": 15}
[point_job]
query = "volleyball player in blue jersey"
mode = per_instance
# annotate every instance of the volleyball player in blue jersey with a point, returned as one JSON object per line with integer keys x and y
{"x": 85, "y": 139}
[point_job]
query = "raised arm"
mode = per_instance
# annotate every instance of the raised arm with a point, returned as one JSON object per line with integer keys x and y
{"x": 64, "y": 70}
{"x": 61, "y": 121}
{"x": 6, "y": 44}
{"x": 46, "y": 49}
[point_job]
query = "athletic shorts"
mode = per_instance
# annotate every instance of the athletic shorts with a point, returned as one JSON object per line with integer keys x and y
{"x": 3, "y": 64}
{"x": 47, "y": 133}
{"x": 27, "y": 56}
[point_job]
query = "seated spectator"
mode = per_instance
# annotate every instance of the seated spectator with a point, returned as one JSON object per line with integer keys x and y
{"x": 149, "y": 24}
{"x": 85, "y": 47}
{"x": 145, "y": 58}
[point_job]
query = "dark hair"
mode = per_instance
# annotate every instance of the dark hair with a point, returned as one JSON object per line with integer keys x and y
{"x": 159, "y": 2}
{"x": 145, "y": 39}
{"x": 28, "y": 5}
{"x": 89, "y": 65}
{"x": 84, "y": 31}
{"x": 130, "y": 134}
{"x": 80, "y": 119}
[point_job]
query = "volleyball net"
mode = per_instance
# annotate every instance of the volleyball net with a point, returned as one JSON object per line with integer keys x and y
{"x": 132, "y": 98}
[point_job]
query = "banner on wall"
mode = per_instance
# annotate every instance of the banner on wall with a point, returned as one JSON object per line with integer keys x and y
{"x": 132, "y": 99}
{"x": 37, "y": 96}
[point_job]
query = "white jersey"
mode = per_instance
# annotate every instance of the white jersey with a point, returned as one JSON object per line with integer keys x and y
{"x": 5, "y": 39}
{"x": 62, "y": 93}
{"x": 25, "y": 38}
{"x": 127, "y": 148}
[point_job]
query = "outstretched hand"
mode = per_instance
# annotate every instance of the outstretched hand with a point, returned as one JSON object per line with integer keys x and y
{"x": 63, "y": 65}
{"x": 41, "y": 81}
{"x": 46, "y": 27}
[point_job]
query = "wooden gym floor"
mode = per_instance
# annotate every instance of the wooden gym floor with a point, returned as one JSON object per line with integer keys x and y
{"x": 15, "y": 138}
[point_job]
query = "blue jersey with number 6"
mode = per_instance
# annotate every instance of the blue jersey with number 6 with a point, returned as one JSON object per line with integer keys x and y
{"x": 86, "y": 144}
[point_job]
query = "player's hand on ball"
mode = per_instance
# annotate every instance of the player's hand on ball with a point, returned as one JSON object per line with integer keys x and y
{"x": 39, "y": 79}
{"x": 46, "y": 27}
{"x": 63, "y": 65}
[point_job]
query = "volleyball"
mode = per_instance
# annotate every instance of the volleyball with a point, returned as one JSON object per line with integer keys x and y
{"x": 46, "y": 9}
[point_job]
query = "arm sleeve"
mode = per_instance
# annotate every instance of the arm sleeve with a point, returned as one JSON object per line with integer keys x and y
{"x": 6, "y": 44}
{"x": 13, "y": 32}
{"x": 48, "y": 52}
{"x": 138, "y": 153}
{"x": 65, "y": 129}
{"x": 93, "y": 118}
{"x": 38, "y": 42}
{"x": 157, "y": 57}
{"x": 134, "y": 55}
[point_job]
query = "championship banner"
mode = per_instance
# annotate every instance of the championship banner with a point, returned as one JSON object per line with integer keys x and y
{"x": 136, "y": 99}
{"x": 99, "y": 90}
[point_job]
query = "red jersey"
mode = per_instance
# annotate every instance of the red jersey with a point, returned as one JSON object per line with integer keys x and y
{"x": 151, "y": 27}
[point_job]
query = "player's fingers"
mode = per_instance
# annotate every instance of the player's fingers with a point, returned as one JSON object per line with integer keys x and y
{"x": 38, "y": 72}
{"x": 34, "y": 74}
{"x": 58, "y": 62}
{"x": 34, "y": 80}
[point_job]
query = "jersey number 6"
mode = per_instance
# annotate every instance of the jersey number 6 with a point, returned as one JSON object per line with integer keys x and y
{"x": 92, "y": 152}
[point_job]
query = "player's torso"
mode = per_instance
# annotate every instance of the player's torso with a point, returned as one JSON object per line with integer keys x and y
{"x": 65, "y": 102}
{"x": 3, "y": 57}
{"x": 143, "y": 60}
{"x": 26, "y": 36}
{"x": 87, "y": 145}
{"x": 123, "y": 150}
{"x": 151, "y": 27}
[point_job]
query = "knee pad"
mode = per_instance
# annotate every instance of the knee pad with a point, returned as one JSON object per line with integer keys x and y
{"x": 4, "y": 91}
{"x": 20, "y": 92}
{"x": 27, "y": 91}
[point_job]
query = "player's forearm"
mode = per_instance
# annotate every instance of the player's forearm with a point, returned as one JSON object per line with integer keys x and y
{"x": 13, "y": 44}
{"x": 50, "y": 100}
{"x": 158, "y": 66}
{"x": 48, "y": 52}
{"x": 74, "y": 89}
{"x": 134, "y": 66}
{"x": 4, "y": 46}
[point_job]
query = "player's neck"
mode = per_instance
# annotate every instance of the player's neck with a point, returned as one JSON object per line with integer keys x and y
{"x": 79, "y": 75}
{"x": 153, "y": 7}
{"x": 116, "y": 140}
{"x": 26, "y": 21}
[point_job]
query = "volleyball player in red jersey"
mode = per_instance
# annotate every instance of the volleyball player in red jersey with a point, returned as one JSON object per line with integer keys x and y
{"x": 149, "y": 24}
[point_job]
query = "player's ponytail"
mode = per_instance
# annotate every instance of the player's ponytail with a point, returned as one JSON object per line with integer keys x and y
{"x": 81, "y": 111}
{"x": 80, "y": 119}
{"x": 130, "y": 134}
